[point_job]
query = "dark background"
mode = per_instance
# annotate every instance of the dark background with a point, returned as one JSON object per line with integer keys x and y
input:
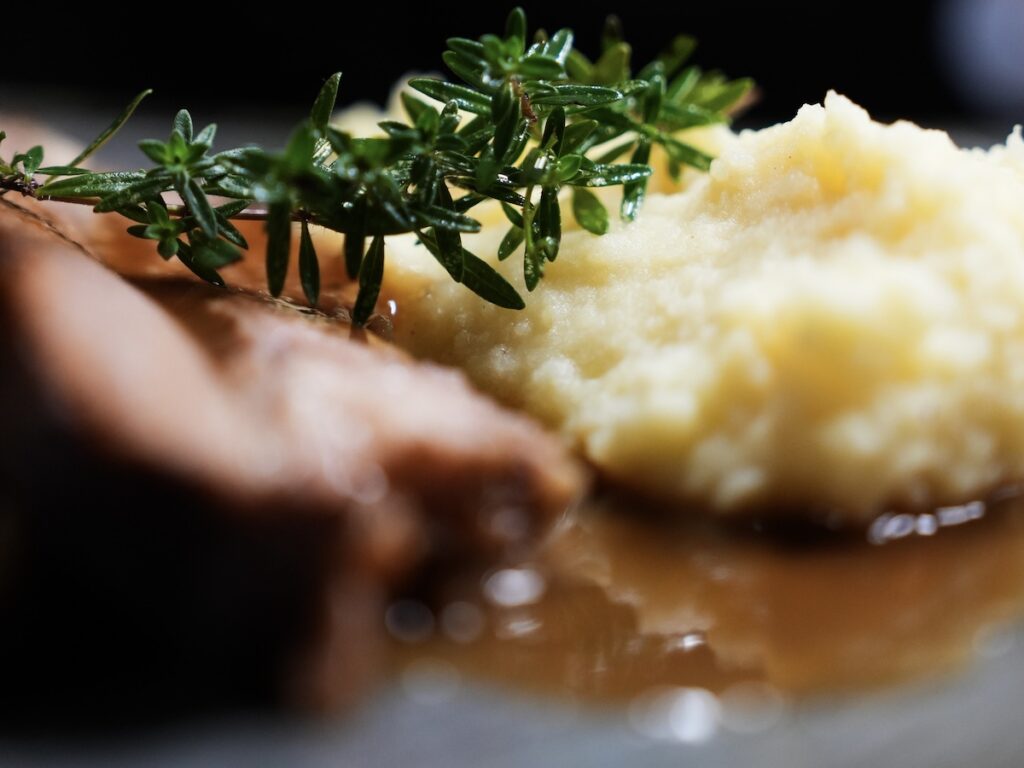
{"x": 909, "y": 58}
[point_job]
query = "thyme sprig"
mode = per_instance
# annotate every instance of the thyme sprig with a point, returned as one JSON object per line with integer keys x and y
{"x": 526, "y": 120}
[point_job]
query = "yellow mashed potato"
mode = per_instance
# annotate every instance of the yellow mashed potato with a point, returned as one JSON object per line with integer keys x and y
{"x": 831, "y": 320}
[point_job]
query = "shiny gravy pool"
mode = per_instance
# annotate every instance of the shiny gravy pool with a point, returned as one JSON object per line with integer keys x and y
{"x": 619, "y": 608}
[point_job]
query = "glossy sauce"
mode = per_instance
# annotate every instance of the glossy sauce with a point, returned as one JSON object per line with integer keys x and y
{"x": 619, "y": 605}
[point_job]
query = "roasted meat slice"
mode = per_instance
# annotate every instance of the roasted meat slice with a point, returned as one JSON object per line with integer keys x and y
{"x": 207, "y": 496}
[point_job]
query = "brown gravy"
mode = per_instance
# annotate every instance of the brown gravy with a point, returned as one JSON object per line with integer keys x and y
{"x": 619, "y": 605}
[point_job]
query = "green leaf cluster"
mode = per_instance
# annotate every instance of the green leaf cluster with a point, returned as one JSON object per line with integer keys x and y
{"x": 18, "y": 171}
{"x": 200, "y": 234}
{"x": 549, "y": 110}
{"x": 532, "y": 123}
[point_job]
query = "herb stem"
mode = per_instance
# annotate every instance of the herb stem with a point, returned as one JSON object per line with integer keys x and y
{"x": 254, "y": 213}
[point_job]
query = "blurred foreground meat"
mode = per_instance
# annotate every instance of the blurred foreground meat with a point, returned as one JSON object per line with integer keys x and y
{"x": 206, "y": 498}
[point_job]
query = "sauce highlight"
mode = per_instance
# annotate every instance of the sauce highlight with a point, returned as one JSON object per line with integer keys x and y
{"x": 619, "y": 607}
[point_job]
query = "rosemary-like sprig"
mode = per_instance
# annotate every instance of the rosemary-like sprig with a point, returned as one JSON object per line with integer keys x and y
{"x": 525, "y": 121}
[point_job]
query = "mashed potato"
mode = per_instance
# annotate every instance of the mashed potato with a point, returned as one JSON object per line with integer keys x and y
{"x": 831, "y": 320}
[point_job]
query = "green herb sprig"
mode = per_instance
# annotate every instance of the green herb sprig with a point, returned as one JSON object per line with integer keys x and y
{"x": 530, "y": 116}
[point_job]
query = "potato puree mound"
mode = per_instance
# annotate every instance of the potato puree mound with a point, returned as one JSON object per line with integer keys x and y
{"x": 831, "y": 320}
